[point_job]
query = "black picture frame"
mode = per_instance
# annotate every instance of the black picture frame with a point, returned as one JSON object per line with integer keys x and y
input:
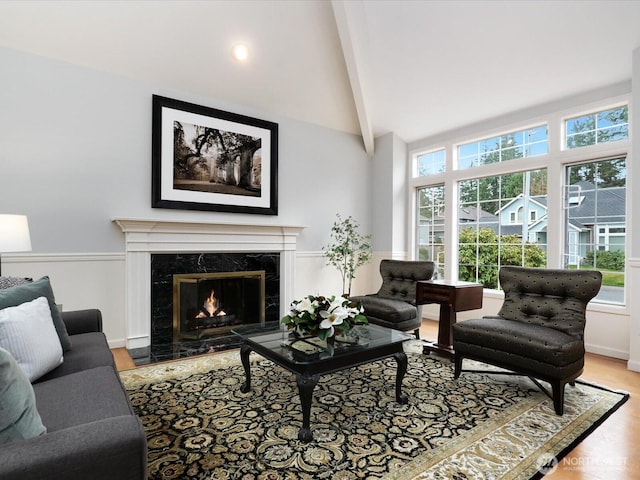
{"x": 209, "y": 159}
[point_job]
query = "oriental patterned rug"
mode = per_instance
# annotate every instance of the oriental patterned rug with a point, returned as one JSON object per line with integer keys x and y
{"x": 199, "y": 425}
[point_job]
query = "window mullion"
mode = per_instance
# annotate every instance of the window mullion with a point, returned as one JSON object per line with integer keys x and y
{"x": 451, "y": 228}
{"x": 555, "y": 216}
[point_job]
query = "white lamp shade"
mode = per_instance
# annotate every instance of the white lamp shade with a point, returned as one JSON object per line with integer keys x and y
{"x": 14, "y": 233}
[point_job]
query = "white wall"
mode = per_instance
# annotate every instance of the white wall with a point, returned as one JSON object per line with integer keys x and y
{"x": 389, "y": 202}
{"x": 634, "y": 261}
{"x": 75, "y": 153}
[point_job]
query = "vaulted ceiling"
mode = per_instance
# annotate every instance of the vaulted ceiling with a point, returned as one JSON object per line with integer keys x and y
{"x": 416, "y": 68}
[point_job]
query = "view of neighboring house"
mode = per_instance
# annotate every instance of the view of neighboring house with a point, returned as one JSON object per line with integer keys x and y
{"x": 595, "y": 220}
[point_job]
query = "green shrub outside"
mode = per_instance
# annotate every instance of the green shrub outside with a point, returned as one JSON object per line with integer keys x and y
{"x": 485, "y": 249}
{"x": 605, "y": 260}
{"x": 480, "y": 256}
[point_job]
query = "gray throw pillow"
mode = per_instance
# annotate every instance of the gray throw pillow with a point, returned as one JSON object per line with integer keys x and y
{"x": 19, "y": 418}
{"x": 8, "y": 282}
{"x": 20, "y": 294}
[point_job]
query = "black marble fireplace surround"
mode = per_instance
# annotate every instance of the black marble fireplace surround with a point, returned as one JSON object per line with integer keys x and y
{"x": 165, "y": 265}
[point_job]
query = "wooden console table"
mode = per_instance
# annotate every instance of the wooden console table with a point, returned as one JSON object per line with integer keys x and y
{"x": 453, "y": 297}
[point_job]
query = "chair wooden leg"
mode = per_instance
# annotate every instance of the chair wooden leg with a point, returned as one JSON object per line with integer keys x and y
{"x": 557, "y": 390}
{"x": 416, "y": 332}
{"x": 457, "y": 366}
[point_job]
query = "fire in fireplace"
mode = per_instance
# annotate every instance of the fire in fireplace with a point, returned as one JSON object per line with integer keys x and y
{"x": 208, "y": 304}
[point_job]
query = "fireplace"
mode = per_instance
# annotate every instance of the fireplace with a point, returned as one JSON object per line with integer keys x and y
{"x": 210, "y": 304}
{"x": 147, "y": 240}
{"x": 246, "y": 285}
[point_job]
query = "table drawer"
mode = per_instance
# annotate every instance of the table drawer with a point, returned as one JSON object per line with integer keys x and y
{"x": 428, "y": 295}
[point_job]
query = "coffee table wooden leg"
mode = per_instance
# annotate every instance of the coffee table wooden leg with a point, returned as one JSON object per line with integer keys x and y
{"x": 401, "y": 360}
{"x": 306, "y": 384}
{"x": 245, "y": 350}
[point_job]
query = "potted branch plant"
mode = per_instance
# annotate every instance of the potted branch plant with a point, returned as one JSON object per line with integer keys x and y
{"x": 347, "y": 250}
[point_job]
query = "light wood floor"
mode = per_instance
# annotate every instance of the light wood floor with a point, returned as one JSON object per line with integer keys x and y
{"x": 609, "y": 453}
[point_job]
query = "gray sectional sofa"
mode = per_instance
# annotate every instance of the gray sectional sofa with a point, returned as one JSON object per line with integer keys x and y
{"x": 92, "y": 432}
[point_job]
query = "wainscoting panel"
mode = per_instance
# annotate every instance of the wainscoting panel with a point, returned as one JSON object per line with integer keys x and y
{"x": 80, "y": 281}
{"x": 97, "y": 281}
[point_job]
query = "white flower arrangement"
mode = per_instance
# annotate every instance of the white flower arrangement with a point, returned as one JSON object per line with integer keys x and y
{"x": 324, "y": 316}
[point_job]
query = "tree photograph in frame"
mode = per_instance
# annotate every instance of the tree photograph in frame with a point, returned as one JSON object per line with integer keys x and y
{"x": 209, "y": 159}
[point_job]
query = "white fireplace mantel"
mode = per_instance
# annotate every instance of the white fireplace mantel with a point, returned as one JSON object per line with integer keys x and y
{"x": 144, "y": 237}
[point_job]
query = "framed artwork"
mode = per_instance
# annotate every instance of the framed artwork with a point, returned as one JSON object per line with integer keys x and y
{"x": 209, "y": 159}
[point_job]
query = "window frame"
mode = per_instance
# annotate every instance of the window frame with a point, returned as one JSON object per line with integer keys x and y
{"x": 415, "y": 167}
{"x": 440, "y": 212}
{"x": 555, "y": 161}
{"x": 597, "y": 130}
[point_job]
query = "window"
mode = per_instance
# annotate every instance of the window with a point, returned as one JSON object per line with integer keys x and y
{"x": 487, "y": 236}
{"x": 502, "y": 213}
{"x": 430, "y": 163}
{"x": 430, "y": 232}
{"x": 516, "y": 217}
{"x": 596, "y": 226}
{"x": 600, "y": 127}
{"x": 611, "y": 238}
{"x": 520, "y": 144}
{"x": 575, "y": 200}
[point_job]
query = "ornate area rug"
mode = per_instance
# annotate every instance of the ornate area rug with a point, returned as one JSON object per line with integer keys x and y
{"x": 199, "y": 425}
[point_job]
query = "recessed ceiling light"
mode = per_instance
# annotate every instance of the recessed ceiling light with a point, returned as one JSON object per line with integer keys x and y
{"x": 240, "y": 52}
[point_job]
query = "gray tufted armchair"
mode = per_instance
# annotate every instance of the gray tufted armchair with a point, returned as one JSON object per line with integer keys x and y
{"x": 539, "y": 331}
{"x": 393, "y": 306}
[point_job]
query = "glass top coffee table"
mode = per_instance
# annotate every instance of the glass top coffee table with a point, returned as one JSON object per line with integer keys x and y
{"x": 309, "y": 359}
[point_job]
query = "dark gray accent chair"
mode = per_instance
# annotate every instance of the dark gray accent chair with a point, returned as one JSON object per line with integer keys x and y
{"x": 538, "y": 332}
{"x": 393, "y": 306}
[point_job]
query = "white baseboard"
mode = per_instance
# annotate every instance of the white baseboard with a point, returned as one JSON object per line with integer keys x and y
{"x": 119, "y": 343}
{"x": 633, "y": 365}
{"x": 607, "y": 352}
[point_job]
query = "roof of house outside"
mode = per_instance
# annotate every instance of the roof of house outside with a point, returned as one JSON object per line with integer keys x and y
{"x": 607, "y": 205}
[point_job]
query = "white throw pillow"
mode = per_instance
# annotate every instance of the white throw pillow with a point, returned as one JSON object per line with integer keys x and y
{"x": 27, "y": 332}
